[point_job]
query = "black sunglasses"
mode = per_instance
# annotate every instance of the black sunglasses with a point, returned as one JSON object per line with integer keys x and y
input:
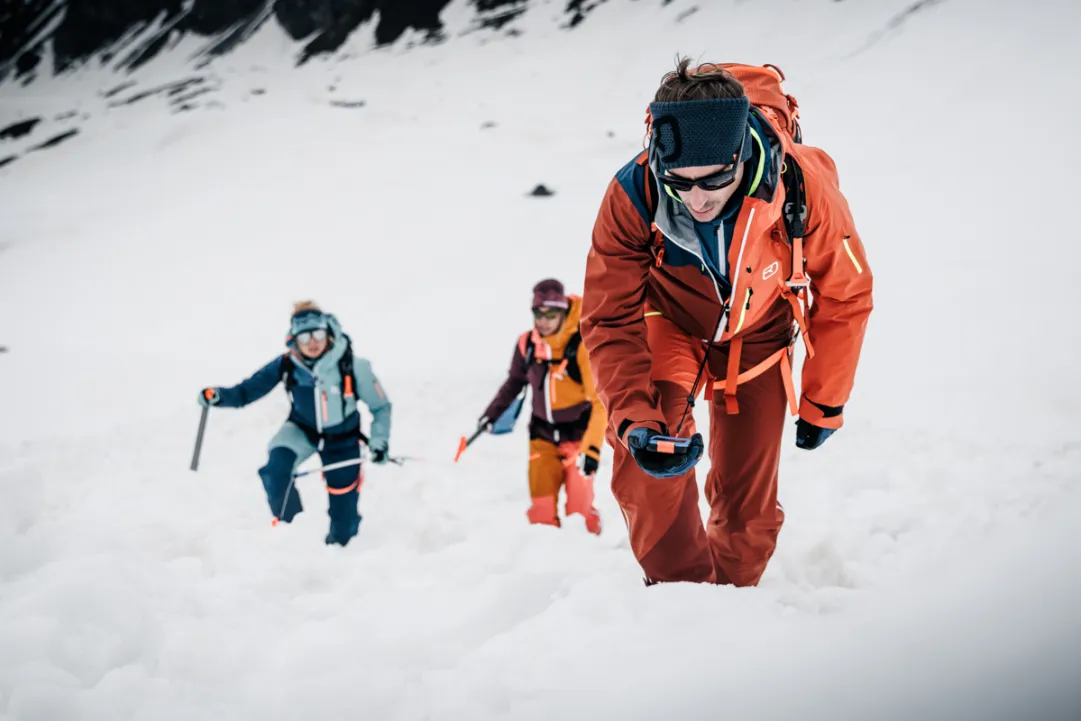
{"x": 713, "y": 181}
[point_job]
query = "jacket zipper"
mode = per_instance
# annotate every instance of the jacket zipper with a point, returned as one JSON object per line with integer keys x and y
{"x": 702, "y": 260}
{"x": 739, "y": 265}
{"x": 548, "y": 395}
{"x": 319, "y": 400}
{"x": 719, "y": 331}
{"x": 317, "y": 392}
{"x": 716, "y": 289}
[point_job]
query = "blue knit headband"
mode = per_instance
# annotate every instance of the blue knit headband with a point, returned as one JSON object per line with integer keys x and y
{"x": 690, "y": 133}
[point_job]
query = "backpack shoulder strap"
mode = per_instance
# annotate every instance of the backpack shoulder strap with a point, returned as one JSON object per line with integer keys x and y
{"x": 287, "y": 372}
{"x": 795, "y": 218}
{"x": 345, "y": 368}
{"x": 795, "y": 198}
{"x": 525, "y": 346}
{"x": 570, "y": 355}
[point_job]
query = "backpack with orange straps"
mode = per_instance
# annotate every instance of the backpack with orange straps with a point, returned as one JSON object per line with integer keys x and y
{"x": 762, "y": 85}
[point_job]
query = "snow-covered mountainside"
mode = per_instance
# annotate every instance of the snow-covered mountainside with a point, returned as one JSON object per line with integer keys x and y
{"x": 929, "y": 565}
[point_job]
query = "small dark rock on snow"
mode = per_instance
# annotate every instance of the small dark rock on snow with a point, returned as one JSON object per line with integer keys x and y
{"x": 17, "y": 130}
{"x": 56, "y": 140}
{"x": 542, "y": 191}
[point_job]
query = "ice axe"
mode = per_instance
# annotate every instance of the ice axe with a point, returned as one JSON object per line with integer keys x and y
{"x": 504, "y": 424}
{"x": 465, "y": 443}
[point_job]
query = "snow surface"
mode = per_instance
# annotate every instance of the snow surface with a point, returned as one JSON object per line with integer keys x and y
{"x": 930, "y": 565}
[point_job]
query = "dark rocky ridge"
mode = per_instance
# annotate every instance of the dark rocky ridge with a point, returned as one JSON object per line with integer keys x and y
{"x": 80, "y": 29}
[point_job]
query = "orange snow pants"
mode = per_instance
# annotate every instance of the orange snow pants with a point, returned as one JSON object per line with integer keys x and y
{"x": 552, "y": 467}
{"x": 665, "y": 523}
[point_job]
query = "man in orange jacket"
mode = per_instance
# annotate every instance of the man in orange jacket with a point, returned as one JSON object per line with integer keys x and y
{"x": 709, "y": 250}
{"x": 566, "y": 428}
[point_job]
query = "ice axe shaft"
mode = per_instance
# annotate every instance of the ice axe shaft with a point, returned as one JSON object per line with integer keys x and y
{"x": 199, "y": 439}
{"x": 329, "y": 467}
{"x": 396, "y": 460}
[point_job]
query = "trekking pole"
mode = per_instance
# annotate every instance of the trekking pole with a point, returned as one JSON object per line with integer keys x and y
{"x": 199, "y": 439}
{"x": 402, "y": 460}
{"x": 285, "y": 502}
{"x": 293, "y": 479}
{"x": 464, "y": 443}
{"x": 330, "y": 467}
{"x": 396, "y": 460}
{"x": 698, "y": 376}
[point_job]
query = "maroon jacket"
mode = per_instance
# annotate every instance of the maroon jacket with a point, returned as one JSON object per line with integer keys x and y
{"x": 563, "y": 409}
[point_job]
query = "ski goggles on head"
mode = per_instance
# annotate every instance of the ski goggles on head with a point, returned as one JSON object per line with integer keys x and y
{"x": 308, "y": 320}
{"x": 308, "y": 336}
{"x": 547, "y": 313}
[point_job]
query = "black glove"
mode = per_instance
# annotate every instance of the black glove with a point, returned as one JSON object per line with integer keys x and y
{"x": 379, "y": 456}
{"x": 810, "y": 436}
{"x": 209, "y": 397}
{"x": 590, "y": 461}
{"x": 663, "y": 465}
{"x": 484, "y": 424}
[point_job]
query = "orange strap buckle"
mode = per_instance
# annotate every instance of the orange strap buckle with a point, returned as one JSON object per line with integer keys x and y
{"x": 799, "y": 279}
{"x": 734, "y": 379}
{"x": 801, "y": 317}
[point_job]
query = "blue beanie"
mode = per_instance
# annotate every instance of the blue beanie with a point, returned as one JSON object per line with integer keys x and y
{"x": 689, "y": 133}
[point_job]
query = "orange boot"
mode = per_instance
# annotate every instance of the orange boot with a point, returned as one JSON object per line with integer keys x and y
{"x": 580, "y": 500}
{"x": 543, "y": 511}
{"x": 579, "y": 489}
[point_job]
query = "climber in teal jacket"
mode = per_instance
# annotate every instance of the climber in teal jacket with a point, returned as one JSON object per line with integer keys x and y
{"x": 324, "y": 381}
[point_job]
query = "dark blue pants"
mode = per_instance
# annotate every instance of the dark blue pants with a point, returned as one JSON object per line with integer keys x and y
{"x": 291, "y": 447}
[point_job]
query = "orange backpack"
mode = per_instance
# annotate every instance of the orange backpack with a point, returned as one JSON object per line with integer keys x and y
{"x": 763, "y": 88}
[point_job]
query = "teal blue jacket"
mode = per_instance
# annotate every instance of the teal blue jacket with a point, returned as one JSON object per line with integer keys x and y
{"x": 320, "y": 402}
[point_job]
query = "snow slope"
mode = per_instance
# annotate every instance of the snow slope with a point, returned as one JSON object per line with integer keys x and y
{"x": 929, "y": 566}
